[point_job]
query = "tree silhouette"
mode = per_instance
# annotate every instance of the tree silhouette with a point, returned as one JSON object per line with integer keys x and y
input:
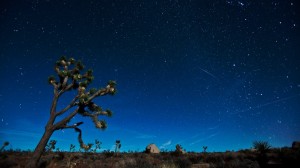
{"x": 118, "y": 146}
{"x": 72, "y": 148}
{"x": 72, "y": 78}
{"x": 204, "y": 149}
{"x": 179, "y": 149}
{"x": 50, "y": 146}
{"x": 262, "y": 147}
{"x": 6, "y": 143}
{"x": 97, "y": 145}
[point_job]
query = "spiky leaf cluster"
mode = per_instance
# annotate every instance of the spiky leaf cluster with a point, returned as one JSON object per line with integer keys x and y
{"x": 112, "y": 87}
{"x": 261, "y": 146}
{"x": 70, "y": 74}
{"x": 92, "y": 110}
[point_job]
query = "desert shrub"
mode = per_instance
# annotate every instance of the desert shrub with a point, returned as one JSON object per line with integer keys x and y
{"x": 61, "y": 156}
{"x": 215, "y": 161}
{"x": 101, "y": 164}
{"x": 135, "y": 154}
{"x": 261, "y": 146}
{"x": 289, "y": 157}
{"x": 108, "y": 153}
{"x": 243, "y": 156}
{"x": 166, "y": 157}
{"x": 43, "y": 163}
{"x": 183, "y": 162}
{"x": 8, "y": 163}
{"x": 18, "y": 150}
{"x": 54, "y": 156}
{"x": 241, "y": 163}
{"x": 195, "y": 159}
{"x": 250, "y": 156}
{"x": 232, "y": 164}
{"x": 3, "y": 156}
{"x": 164, "y": 153}
{"x": 168, "y": 165}
{"x": 228, "y": 156}
{"x": 175, "y": 153}
{"x": 140, "y": 163}
{"x": 86, "y": 155}
{"x": 249, "y": 164}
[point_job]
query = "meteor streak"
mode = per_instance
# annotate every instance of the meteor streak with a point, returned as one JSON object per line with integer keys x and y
{"x": 267, "y": 104}
{"x": 210, "y": 74}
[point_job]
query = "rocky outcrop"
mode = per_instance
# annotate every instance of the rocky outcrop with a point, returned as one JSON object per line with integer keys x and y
{"x": 152, "y": 148}
{"x": 296, "y": 145}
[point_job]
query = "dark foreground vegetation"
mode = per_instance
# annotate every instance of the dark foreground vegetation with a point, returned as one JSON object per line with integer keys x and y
{"x": 274, "y": 158}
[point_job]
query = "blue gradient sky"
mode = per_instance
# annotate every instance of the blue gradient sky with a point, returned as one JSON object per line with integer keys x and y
{"x": 197, "y": 73}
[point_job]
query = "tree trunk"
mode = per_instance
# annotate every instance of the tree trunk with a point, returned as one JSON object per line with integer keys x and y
{"x": 33, "y": 161}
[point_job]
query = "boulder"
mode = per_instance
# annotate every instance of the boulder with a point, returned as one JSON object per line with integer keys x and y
{"x": 296, "y": 145}
{"x": 152, "y": 148}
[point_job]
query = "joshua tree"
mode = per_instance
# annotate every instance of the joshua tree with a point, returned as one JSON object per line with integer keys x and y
{"x": 72, "y": 78}
{"x": 72, "y": 148}
{"x": 262, "y": 147}
{"x": 50, "y": 146}
{"x": 179, "y": 149}
{"x": 118, "y": 146}
{"x": 204, "y": 149}
{"x": 97, "y": 145}
{"x": 4, "y": 145}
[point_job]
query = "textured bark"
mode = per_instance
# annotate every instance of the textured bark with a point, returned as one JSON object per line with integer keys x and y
{"x": 33, "y": 162}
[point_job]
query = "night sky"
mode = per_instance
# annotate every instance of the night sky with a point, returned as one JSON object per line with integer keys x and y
{"x": 220, "y": 73}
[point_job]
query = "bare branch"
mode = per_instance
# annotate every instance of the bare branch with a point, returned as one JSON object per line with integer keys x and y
{"x": 82, "y": 145}
{"x": 54, "y": 103}
{"x": 64, "y": 121}
{"x": 75, "y": 127}
{"x": 65, "y": 82}
{"x": 72, "y": 126}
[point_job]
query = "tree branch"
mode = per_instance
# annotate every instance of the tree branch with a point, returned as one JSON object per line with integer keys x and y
{"x": 72, "y": 126}
{"x": 54, "y": 102}
{"x": 69, "y": 86}
{"x": 65, "y": 82}
{"x": 64, "y": 121}
{"x": 98, "y": 123}
{"x": 82, "y": 144}
{"x": 100, "y": 92}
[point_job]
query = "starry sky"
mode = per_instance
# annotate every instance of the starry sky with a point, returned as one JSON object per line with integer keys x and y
{"x": 220, "y": 73}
